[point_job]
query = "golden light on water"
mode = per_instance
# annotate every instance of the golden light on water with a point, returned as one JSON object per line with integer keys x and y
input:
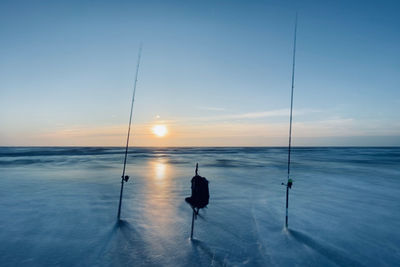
{"x": 160, "y": 169}
{"x": 160, "y": 130}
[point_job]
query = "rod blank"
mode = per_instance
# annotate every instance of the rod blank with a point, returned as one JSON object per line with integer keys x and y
{"x": 123, "y": 180}
{"x": 290, "y": 123}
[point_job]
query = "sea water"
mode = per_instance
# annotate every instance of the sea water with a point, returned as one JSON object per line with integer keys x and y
{"x": 58, "y": 207}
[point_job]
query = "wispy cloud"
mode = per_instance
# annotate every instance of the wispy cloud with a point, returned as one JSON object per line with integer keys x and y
{"x": 211, "y": 108}
{"x": 246, "y": 116}
{"x": 257, "y": 115}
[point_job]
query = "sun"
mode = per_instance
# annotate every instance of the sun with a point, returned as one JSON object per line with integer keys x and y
{"x": 160, "y": 130}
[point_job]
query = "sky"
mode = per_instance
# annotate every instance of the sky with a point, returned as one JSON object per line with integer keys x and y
{"x": 214, "y": 73}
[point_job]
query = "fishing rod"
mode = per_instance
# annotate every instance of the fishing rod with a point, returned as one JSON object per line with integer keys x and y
{"x": 289, "y": 181}
{"x": 125, "y": 178}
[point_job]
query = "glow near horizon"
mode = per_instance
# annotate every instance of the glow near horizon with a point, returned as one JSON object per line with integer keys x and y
{"x": 214, "y": 74}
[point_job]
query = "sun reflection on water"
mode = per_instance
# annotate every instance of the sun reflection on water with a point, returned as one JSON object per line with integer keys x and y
{"x": 160, "y": 211}
{"x": 160, "y": 170}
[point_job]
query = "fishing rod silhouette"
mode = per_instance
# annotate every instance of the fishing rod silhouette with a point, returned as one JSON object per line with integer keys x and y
{"x": 289, "y": 180}
{"x": 125, "y": 178}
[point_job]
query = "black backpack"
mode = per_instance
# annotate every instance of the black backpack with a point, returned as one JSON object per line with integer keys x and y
{"x": 200, "y": 193}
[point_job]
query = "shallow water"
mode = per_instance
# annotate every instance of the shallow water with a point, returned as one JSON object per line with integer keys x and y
{"x": 58, "y": 206}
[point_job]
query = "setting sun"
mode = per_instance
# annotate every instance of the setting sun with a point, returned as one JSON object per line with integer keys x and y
{"x": 160, "y": 130}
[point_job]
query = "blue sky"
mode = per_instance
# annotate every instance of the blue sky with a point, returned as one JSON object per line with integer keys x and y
{"x": 214, "y": 72}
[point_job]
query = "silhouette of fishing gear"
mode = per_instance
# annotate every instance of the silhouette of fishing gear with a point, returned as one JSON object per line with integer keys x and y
{"x": 289, "y": 180}
{"x": 200, "y": 196}
{"x": 125, "y": 178}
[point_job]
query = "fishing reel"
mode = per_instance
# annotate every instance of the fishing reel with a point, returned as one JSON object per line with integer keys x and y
{"x": 289, "y": 184}
{"x": 126, "y": 178}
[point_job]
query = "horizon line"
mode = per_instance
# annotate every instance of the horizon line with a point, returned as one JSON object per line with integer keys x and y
{"x": 298, "y": 146}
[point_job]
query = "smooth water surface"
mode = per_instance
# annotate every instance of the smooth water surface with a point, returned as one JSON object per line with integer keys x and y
{"x": 58, "y": 207}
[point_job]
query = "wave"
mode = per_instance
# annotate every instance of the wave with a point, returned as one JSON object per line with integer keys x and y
{"x": 225, "y": 157}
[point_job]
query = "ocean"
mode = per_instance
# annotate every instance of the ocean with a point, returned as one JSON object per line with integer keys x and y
{"x": 58, "y": 207}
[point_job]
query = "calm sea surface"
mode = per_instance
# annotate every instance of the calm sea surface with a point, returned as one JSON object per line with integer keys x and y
{"x": 58, "y": 206}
